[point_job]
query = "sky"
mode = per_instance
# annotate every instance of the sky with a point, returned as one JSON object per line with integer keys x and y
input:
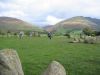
{"x": 49, "y": 12}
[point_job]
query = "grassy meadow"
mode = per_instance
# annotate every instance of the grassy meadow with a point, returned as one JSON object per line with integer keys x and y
{"x": 37, "y": 52}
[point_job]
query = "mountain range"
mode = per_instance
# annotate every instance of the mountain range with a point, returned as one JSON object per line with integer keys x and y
{"x": 75, "y": 23}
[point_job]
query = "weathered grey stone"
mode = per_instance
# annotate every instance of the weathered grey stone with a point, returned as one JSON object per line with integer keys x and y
{"x": 10, "y": 63}
{"x": 90, "y": 40}
{"x": 75, "y": 40}
{"x": 81, "y": 40}
{"x": 55, "y": 68}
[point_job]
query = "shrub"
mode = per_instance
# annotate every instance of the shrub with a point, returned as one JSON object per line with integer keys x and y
{"x": 68, "y": 35}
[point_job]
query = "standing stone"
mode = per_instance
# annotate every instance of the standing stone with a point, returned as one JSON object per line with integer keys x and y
{"x": 90, "y": 40}
{"x": 21, "y": 34}
{"x": 10, "y": 63}
{"x": 55, "y": 68}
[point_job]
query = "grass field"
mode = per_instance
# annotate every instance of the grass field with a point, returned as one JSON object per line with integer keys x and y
{"x": 37, "y": 52}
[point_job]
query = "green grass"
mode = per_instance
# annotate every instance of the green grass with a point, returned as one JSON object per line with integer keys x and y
{"x": 36, "y": 53}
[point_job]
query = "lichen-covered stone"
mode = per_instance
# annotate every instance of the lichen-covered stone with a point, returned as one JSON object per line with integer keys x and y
{"x": 10, "y": 63}
{"x": 55, "y": 68}
{"x": 90, "y": 40}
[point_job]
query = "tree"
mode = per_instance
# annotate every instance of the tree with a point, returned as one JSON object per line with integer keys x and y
{"x": 67, "y": 34}
{"x": 3, "y": 33}
{"x": 88, "y": 31}
{"x": 27, "y": 33}
{"x": 0, "y": 32}
{"x": 15, "y": 34}
{"x": 8, "y": 33}
{"x": 97, "y": 33}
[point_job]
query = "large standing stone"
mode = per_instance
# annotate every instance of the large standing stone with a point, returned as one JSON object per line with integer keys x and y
{"x": 55, "y": 68}
{"x": 10, "y": 63}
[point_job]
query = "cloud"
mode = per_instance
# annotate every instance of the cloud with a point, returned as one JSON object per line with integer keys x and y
{"x": 53, "y": 20}
{"x": 49, "y": 11}
{"x": 17, "y": 14}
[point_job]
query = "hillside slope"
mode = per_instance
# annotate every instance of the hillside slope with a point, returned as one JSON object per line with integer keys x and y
{"x": 76, "y": 23}
{"x": 9, "y": 23}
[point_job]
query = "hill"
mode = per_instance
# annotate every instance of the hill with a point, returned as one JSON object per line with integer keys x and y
{"x": 14, "y": 24}
{"x": 76, "y": 23}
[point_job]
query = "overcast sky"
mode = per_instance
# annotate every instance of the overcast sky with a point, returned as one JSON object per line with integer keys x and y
{"x": 49, "y": 12}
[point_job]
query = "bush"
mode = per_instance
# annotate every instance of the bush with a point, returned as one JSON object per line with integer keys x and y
{"x": 27, "y": 33}
{"x": 68, "y": 35}
{"x": 15, "y": 34}
{"x": 97, "y": 33}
